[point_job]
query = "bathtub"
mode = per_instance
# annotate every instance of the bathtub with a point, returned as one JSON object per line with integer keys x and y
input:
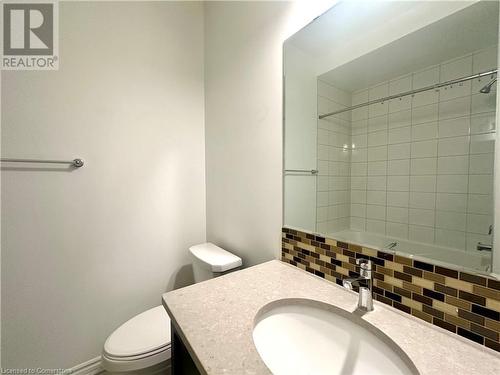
{"x": 440, "y": 255}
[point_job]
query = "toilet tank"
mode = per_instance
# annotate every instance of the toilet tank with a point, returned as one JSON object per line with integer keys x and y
{"x": 210, "y": 261}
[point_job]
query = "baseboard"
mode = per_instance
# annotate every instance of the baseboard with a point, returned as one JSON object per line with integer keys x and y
{"x": 91, "y": 367}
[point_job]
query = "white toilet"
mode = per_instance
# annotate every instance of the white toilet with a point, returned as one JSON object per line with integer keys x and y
{"x": 142, "y": 344}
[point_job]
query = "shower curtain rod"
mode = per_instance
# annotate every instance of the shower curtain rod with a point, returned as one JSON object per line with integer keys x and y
{"x": 412, "y": 92}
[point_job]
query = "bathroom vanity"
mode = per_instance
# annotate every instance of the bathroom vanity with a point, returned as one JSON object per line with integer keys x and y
{"x": 214, "y": 324}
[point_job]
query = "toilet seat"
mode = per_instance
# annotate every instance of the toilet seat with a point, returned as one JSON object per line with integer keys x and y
{"x": 141, "y": 342}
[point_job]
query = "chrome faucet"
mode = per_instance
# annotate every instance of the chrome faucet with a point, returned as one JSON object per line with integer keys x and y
{"x": 365, "y": 301}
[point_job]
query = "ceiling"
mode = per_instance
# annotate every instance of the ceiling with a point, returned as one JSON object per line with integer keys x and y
{"x": 458, "y": 34}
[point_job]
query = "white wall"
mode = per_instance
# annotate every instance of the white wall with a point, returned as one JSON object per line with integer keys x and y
{"x": 84, "y": 251}
{"x": 243, "y": 103}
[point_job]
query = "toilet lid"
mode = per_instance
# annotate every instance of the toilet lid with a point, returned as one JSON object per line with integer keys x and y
{"x": 142, "y": 334}
{"x": 214, "y": 257}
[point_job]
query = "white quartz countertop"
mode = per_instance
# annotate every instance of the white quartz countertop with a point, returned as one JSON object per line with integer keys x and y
{"x": 215, "y": 319}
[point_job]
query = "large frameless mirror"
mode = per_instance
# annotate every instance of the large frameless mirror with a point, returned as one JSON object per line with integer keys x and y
{"x": 390, "y": 133}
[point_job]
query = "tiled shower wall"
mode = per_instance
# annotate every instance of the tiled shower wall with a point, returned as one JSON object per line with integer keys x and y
{"x": 334, "y": 140}
{"x": 421, "y": 167}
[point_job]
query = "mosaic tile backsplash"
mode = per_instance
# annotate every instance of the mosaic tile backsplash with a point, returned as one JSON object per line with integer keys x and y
{"x": 462, "y": 303}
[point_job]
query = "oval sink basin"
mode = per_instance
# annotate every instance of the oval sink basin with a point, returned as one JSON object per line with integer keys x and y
{"x": 298, "y": 336}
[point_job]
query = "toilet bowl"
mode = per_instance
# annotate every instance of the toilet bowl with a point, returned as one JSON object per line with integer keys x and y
{"x": 141, "y": 346}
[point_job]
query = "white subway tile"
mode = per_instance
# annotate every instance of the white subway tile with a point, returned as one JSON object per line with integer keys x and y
{"x": 425, "y": 98}
{"x": 426, "y": 113}
{"x": 399, "y": 135}
{"x": 338, "y": 211}
{"x": 359, "y": 141}
{"x": 375, "y": 226}
{"x": 482, "y": 143}
{"x": 400, "y": 104}
{"x": 453, "y": 146}
{"x": 452, "y": 184}
{"x": 421, "y": 217}
{"x": 481, "y": 184}
{"x": 358, "y": 183}
{"x": 450, "y": 220}
{"x": 398, "y": 183}
{"x": 423, "y": 184}
{"x": 425, "y": 166}
{"x": 397, "y": 214}
{"x": 338, "y": 168}
{"x": 358, "y": 169}
{"x": 339, "y": 183}
{"x": 423, "y": 200}
{"x": 339, "y": 154}
{"x": 359, "y": 155}
{"x": 339, "y": 139}
{"x": 359, "y": 114}
{"x": 482, "y": 163}
{"x": 421, "y": 234}
{"x": 397, "y": 230}
{"x": 426, "y": 77}
{"x": 375, "y": 212}
{"x": 398, "y": 151}
{"x": 377, "y": 168}
{"x": 398, "y": 198}
{"x": 455, "y": 108}
{"x": 376, "y": 183}
{"x": 359, "y": 127}
{"x": 358, "y": 196}
{"x": 378, "y": 109}
{"x": 399, "y": 119}
{"x": 453, "y": 165}
{"x": 377, "y": 153}
{"x": 454, "y": 127}
{"x": 378, "y": 123}
{"x": 378, "y": 138}
{"x": 357, "y": 223}
{"x": 482, "y": 123}
{"x": 480, "y": 204}
{"x": 358, "y": 210}
{"x": 451, "y": 202}
{"x": 450, "y": 238}
{"x": 424, "y": 131}
{"x": 479, "y": 223}
{"x": 376, "y": 197}
{"x": 455, "y": 91}
{"x": 483, "y": 103}
{"x": 398, "y": 167}
{"x": 424, "y": 149}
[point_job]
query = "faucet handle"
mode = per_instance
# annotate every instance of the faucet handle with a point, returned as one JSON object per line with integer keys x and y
{"x": 365, "y": 264}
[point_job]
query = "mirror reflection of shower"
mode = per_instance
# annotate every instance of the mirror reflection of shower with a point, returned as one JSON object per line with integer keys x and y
{"x": 402, "y": 136}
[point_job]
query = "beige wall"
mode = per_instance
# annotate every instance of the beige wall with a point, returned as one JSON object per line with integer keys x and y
{"x": 84, "y": 251}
